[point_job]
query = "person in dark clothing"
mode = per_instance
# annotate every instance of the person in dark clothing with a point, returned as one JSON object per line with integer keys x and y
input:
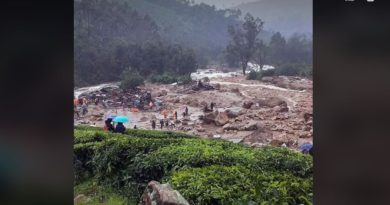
{"x": 161, "y": 123}
{"x": 120, "y": 128}
{"x": 186, "y": 111}
{"x": 166, "y": 123}
{"x": 135, "y": 127}
{"x": 108, "y": 126}
{"x": 153, "y": 124}
{"x": 212, "y": 106}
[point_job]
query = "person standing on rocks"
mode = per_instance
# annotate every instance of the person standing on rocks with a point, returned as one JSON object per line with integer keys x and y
{"x": 175, "y": 115}
{"x": 161, "y": 123}
{"x": 186, "y": 110}
{"x": 212, "y": 106}
{"x": 166, "y": 123}
{"x": 153, "y": 124}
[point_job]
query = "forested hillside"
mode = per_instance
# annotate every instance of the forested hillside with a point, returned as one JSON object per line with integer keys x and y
{"x": 198, "y": 26}
{"x": 108, "y": 34}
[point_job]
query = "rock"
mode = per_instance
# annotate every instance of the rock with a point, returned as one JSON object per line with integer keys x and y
{"x": 209, "y": 117}
{"x": 307, "y": 116}
{"x": 161, "y": 194}
{"x": 231, "y": 114}
{"x": 217, "y": 136}
{"x": 184, "y": 122}
{"x": 219, "y": 131}
{"x": 272, "y": 102}
{"x": 203, "y": 103}
{"x": 221, "y": 119}
{"x": 217, "y": 86}
{"x": 276, "y": 143}
{"x": 235, "y": 90}
{"x": 200, "y": 129}
{"x": 250, "y": 126}
{"x": 267, "y": 79}
{"x": 231, "y": 126}
{"x": 247, "y": 104}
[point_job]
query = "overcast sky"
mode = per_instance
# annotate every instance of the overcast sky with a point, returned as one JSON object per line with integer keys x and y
{"x": 224, "y": 3}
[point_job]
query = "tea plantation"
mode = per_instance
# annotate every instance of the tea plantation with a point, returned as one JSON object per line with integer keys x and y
{"x": 114, "y": 169}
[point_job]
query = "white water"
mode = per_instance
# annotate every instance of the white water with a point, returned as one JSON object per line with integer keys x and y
{"x": 90, "y": 89}
{"x": 211, "y": 73}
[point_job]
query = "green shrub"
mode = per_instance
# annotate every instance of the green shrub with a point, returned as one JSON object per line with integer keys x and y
{"x": 289, "y": 70}
{"x": 190, "y": 153}
{"x": 131, "y": 80}
{"x": 82, "y": 161}
{"x": 127, "y": 162}
{"x": 282, "y": 159}
{"x": 184, "y": 79}
{"x": 239, "y": 185}
{"x": 213, "y": 184}
{"x": 253, "y": 75}
{"x": 84, "y": 136}
{"x": 269, "y": 72}
{"x": 114, "y": 157}
{"x": 164, "y": 78}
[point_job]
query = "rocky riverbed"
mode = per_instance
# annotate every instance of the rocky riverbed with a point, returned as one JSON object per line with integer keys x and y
{"x": 275, "y": 111}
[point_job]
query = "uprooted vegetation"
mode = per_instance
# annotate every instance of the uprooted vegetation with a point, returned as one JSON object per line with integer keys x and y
{"x": 204, "y": 171}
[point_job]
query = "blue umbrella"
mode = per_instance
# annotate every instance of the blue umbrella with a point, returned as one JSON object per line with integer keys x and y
{"x": 306, "y": 147}
{"x": 121, "y": 119}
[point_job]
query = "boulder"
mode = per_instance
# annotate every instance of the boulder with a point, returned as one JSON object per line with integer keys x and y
{"x": 221, "y": 119}
{"x": 161, "y": 194}
{"x": 250, "y": 126}
{"x": 272, "y": 102}
{"x": 200, "y": 129}
{"x": 217, "y": 86}
{"x": 247, "y": 104}
{"x": 231, "y": 114}
{"x": 209, "y": 117}
{"x": 267, "y": 79}
{"x": 231, "y": 126}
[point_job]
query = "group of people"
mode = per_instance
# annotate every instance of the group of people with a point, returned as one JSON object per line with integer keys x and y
{"x": 80, "y": 106}
{"x": 109, "y": 126}
{"x": 206, "y": 108}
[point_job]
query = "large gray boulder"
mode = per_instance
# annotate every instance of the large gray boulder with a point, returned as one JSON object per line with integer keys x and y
{"x": 161, "y": 194}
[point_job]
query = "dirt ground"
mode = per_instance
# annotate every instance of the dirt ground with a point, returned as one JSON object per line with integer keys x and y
{"x": 277, "y": 110}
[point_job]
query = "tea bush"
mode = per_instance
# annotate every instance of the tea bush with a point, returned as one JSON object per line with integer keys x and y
{"x": 279, "y": 159}
{"x": 230, "y": 185}
{"x": 205, "y": 171}
{"x": 190, "y": 153}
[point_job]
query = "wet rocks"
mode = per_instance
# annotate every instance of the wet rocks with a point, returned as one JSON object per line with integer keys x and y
{"x": 247, "y": 104}
{"x": 251, "y": 125}
{"x": 221, "y": 119}
{"x": 208, "y": 118}
{"x": 272, "y": 102}
{"x": 231, "y": 114}
{"x": 161, "y": 194}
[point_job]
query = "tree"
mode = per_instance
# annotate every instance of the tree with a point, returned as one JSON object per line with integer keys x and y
{"x": 243, "y": 40}
{"x": 261, "y": 54}
{"x": 131, "y": 79}
{"x": 277, "y": 49}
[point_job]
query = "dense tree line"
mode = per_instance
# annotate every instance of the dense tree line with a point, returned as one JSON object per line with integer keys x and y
{"x": 293, "y": 55}
{"x": 111, "y": 36}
